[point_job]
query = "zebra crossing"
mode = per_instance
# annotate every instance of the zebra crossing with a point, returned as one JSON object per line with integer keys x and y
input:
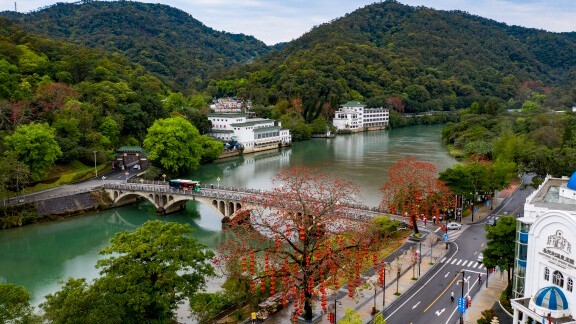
{"x": 472, "y": 264}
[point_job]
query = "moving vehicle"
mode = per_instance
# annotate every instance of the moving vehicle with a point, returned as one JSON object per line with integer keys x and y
{"x": 480, "y": 257}
{"x": 184, "y": 184}
{"x": 453, "y": 226}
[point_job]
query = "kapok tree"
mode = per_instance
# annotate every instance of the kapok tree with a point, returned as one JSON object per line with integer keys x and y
{"x": 298, "y": 239}
{"x": 413, "y": 191}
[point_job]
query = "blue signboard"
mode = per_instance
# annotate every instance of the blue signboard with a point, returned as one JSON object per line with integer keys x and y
{"x": 446, "y": 237}
{"x": 461, "y": 304}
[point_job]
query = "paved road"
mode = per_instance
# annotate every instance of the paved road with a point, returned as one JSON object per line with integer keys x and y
{"x": 429, "y": 300}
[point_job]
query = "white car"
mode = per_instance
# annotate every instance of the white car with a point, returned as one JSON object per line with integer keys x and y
{"x": 480, "y": 257}
{"x": 453, "y": 226}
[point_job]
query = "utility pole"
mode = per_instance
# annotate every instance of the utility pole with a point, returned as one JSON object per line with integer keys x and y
{"x": 462, "y": 295}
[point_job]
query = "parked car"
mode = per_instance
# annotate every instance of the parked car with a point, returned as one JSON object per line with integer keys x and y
{"x": 480, "y": 257}
{"x": 453, "y": 226}
{"x": 491, "y": 221}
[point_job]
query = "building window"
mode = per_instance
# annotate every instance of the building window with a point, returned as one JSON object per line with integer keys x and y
{"x": 546, "y": 274}
{"x": 558, "y": 279}
{"x": 569, "y": 284}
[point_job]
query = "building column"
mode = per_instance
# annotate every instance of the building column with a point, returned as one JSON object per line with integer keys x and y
{"x": 524, "y": 318}
{"x": 515, "y": 319}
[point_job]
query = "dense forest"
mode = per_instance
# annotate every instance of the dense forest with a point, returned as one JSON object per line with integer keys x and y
{"x": 412, "y": 59}
{"x": 98, "y": 75}
{"x": 59, "y": 103}
{"x": 168, "y": 42}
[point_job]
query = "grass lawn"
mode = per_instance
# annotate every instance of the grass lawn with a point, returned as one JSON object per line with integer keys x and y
{"x": 64, "y": 174}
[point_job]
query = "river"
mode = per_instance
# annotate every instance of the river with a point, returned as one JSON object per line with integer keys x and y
{"x": 39, "y": 256}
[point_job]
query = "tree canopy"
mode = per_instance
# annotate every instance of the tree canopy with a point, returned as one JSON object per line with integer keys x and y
{"x": 35, "y": 145}
{"x": 147, "y": 273}
{"x": 177, "y": 146}
{"x": 501, "y": 244}
{"x": 412, "y": 190}
{"x": 299, "y": 239}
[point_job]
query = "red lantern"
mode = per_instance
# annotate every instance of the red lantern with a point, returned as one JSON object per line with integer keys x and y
{"x": 302, "y": 234}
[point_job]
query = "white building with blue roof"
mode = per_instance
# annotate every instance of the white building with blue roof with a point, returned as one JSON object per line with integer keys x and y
{"x": 545, "y": 259}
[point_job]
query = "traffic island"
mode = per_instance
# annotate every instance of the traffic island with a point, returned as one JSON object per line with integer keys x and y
{"x": 417, "y": 237}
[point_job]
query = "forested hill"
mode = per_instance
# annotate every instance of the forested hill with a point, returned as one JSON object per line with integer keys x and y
{"x": 416, "y": 58}
{"x": 167, "y": 41}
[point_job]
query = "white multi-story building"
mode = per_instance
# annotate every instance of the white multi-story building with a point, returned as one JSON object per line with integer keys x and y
{"x": 545, "y": 265}
{"x": 355, "y": 117}
{"x": 254, "y": 134}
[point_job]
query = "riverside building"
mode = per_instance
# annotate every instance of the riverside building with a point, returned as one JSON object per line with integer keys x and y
{"x": 355, "y": 117}
{"x": 252, "y": 134}
{"x": 545, "y": 261}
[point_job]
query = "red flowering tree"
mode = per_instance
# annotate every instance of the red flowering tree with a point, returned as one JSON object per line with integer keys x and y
{"x": 299, "y": 239}
{"x": 413, "y": 190}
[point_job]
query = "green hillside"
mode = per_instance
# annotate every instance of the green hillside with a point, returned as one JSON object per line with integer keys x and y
{"x": 414, "y": 59}
{"x": 166, "y": 41}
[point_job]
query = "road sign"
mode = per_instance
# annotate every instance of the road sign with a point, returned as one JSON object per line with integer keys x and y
{"x": 446, "y": 238}
{"x": 461, "y": 304}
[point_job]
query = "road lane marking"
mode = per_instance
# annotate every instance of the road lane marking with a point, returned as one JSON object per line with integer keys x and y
{"x": 438, "y": 313}
{"x": 418, "y": 303}
{"x": 422, "y": 287}
{"x": 447, "y": 274}
{"x": 449, "y": 286}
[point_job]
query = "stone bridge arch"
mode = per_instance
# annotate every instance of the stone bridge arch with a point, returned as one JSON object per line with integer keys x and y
{"x": 168, "y": 202}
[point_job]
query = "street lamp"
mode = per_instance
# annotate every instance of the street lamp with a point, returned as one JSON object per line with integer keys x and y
{"x": 95, "y": 167}
{"x": 462, "y": 296}
{"x": 164, "y": 176}
{"x": 398, "y": 269}
{"x": 218, "y": 179}
{"x": 336, "y": 303}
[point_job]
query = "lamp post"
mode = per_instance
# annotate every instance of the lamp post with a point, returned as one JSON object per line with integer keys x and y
{"x": 462, "y": 296}
{"x": 397, "y": 277}
{"x": 336, "y": 302}
{"x": 218, "y": 180}
{"x": 420, "y": 258}
{"x": 95, "y": 167}
{"x": 374, "y": 307}
{"x": 164, "y": 177}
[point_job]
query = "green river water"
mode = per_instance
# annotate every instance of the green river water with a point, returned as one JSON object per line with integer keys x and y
{"x": 39, "y": 256}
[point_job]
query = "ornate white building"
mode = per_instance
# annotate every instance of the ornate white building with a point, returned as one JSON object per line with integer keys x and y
{"x": 354, "y": 117}
{"x": 545, "y": 268}
{"x": 253, "y": 134}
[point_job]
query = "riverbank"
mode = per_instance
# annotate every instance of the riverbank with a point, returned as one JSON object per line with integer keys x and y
{"x": 52, "y": 209}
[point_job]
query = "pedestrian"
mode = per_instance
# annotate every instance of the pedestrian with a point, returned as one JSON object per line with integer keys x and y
{"x": 434, "y": 220}
{"x": 425, "y": 219}
{"x": 479, "y": 278}
{"x": 452, "y": 296}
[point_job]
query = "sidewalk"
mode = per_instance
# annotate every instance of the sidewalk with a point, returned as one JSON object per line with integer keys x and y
{"x": 366, "y": 298}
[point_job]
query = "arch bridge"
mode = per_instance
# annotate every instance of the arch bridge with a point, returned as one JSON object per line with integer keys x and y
{"x": 227, "y": 201}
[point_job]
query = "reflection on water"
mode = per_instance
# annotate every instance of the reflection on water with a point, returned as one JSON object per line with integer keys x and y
{"x": 38, "y": 256}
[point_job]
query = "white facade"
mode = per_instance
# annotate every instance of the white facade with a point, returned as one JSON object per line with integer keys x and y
{"x": 545, "y": 257}
{"x": 254, "y": 134}
{"x": 355, "y": 117}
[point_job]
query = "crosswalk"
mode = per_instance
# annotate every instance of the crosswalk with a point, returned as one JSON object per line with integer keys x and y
{"x": 472, "y": 264}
